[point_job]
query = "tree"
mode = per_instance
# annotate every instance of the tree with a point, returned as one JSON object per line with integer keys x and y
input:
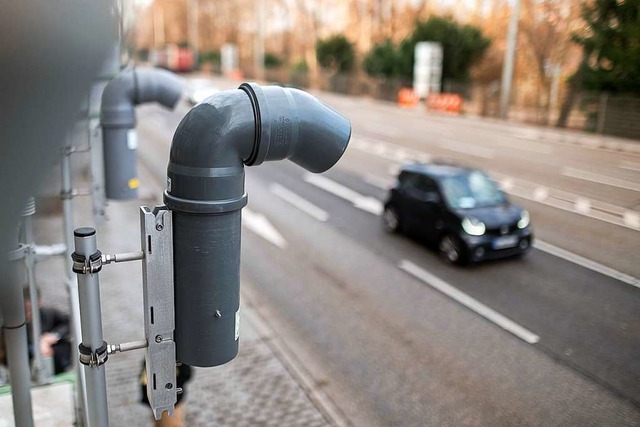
{"x": 462, "y": 45}
{"x": 382, "y": 60}
{"x": 545, "y": 49}
{"x": 272, "y": 60}
{"x": 611, "y": 46}
{"x": 336, "y": 53}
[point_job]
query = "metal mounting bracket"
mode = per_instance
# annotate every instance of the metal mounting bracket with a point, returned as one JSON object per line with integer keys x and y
{"x": 159, "y": 321}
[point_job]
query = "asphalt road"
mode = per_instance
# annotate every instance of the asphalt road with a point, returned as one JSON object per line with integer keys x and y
{"x": 396, "y": 337}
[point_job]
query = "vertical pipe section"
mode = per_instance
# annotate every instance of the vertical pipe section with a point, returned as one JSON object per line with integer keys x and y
{"x": 36, "y": 329}
{"x": 196, "y": 237}
{"x": 91, "y": 318}
{"x": 66, "y": 194}
{"x": 15, "y": 336}
{"x": 109, "y": 69}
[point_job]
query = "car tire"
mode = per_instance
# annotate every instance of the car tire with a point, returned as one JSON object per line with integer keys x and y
{"x": 391, "y": 220}
{"x": 452, "y": 250}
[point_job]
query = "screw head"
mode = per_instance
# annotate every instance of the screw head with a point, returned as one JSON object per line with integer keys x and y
{"x": 168, "y": 386}
{"x": 218, "y": 314}
{"x": 158, "y": 338}
{"x": 159, "y": 227}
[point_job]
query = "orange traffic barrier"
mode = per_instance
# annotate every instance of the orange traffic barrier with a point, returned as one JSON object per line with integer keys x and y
{"x": 407, "y": 98}
{"x": 445, "y": 102}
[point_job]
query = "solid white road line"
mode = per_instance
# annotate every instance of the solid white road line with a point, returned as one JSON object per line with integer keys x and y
{"x": 470, "y": 149}
{"x": 300, "y": 203}
{"x": 388, "y": 150}
{"x": 262, "y": 227}
{"x": 469, "y": 302}
{"x": 632, "y": 166}
{"x": 586, "y": 263}
{"x": 385, "y": 131}
{"x": 365, "y": 203}
{"x": 600, "y": 179}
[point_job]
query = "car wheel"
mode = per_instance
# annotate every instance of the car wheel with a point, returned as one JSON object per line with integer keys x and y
{"x": 391, "y": 220}
{"x": 451, "y": 250}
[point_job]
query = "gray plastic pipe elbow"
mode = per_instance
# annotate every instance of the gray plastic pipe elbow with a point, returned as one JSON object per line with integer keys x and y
{"x": 205, "y": 191}
{"x": 128, "y": 89}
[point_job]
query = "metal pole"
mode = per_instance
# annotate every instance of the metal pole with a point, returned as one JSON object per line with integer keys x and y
{"x": 93, "y": 350}
{"x": 36, "y": 327}
{"x": 97, "y": 165}
{"x": 15, "y": 336}
{"x": 72, "y": 287}
{"x": 555, "y": 88}
{"x": 509, "y": 59}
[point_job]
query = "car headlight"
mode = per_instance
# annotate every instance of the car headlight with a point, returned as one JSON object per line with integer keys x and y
{"x": 473, "y": 226}
{"x": 524, "y": 220}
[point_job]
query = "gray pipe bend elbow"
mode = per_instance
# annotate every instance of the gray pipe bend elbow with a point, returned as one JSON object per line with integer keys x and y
{"x": 135, "y": 86}
{"x": 205, "y": 172}
{"x": 129, "y": 88}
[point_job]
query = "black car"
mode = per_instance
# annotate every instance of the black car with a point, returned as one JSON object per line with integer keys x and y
{"x": 458, "y": 209}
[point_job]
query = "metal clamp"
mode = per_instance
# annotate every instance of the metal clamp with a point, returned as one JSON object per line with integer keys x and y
{"x": 93, "y": 358}
{"x": 19, "y": 253}
{"x": 83, "y": 265}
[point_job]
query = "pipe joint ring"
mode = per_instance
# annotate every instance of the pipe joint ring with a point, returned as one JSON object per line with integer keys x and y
{"x": 19, "y": 253}
{"x": 204, "y": 207}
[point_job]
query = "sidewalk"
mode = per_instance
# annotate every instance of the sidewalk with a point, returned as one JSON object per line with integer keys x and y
{"x": 261, "y": 387}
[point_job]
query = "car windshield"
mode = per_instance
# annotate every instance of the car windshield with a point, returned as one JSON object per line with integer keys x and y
{"x": 471, "y": 190}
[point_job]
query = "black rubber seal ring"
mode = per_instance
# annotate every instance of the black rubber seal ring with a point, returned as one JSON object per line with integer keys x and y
{"x": 246, "y": 87}
{"x": 14, "y": 327}
{"x": 204, "y": 207}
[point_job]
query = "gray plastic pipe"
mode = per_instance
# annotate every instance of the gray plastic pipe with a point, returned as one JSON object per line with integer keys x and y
{"x": 205, "y": 191}
{"x": 129, "y": 88}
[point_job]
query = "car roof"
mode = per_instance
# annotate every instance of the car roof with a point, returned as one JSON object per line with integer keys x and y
{"x": 437, "y": 170}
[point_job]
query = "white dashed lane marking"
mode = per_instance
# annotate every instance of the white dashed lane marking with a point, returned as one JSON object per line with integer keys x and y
{"x": 469, "y": 302}
{"x": 261, "y": 226}
{"x": 299, "y": 202}
{"x": 365, "y": 203}
{"x": 632, "y": 166}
